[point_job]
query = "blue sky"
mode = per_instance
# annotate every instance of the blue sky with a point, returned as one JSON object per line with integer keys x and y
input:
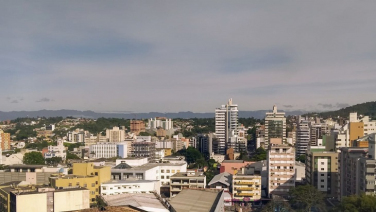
{"x": 169, "y": 56}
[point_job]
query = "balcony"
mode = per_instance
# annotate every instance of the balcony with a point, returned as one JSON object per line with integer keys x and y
{"x": 244, "y": 183}
{"x": 244, "y": 194}
{"x": 244, "y": 188}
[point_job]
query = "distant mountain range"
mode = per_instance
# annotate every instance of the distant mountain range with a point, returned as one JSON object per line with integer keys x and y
{"x": 94, "y": 115}
{"x": 366, "y": 109}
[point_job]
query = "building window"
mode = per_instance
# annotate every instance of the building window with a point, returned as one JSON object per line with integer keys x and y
{"x": 70, "y": 184}
{"x": 162, "y": 177}
{"x": 162, "y": 171}
{"x": 96, "y": 173}
{"x": 93, "y": 185}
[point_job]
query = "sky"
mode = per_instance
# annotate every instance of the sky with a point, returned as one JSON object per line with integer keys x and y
{"x": 170, "y": 56}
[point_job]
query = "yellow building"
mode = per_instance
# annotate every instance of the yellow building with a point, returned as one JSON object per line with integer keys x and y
{"x": 356, "y": 130}
{"x": 84, "y": 175}
{"x": 167, "y": 152}
{"x": 246, "y": 187}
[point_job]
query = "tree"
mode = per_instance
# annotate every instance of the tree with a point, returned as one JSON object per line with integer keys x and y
{"x": 357, "y": 203}
{"x": 243, "y": 156}
{"x": 276, "y": 205}
{"x": 54, "y": 161}
{"x": 301, "y": 158}
{"x": 306, "y": 197}
{"x": 101, "y": 203}
{"x": 34, "y": 158}
{"x": 72, "y": 156}
{"x": 260, "y": 154}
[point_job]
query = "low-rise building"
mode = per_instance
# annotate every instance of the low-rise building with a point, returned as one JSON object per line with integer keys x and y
{"x": 143, "y": 149}
{"x": 221, "y": 181}
{"x": 198, "y": 200}
{"x": 56, "y": 151}
{"x": 183, "y": 180}
{"x": 149, "y": 171}
{"x": 233, "y": 166}
{"x": 247, "y": 185}
{"x": 108, "y": 150}
{"x": 130, "y": 187}
{"x": 84, "y": 175}
{"x": 18, "y": 197}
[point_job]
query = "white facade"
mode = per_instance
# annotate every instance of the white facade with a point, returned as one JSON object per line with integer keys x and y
{"x": 130, "y": 187}
{"x": 56, "y": 151}
{"x": 132, "y": 161}
{"x": 281, "y": 169}
{"x": 115, "y": 134}
{"x": 150, "y": 171}
{"x": 76, "y": 136}
{"x": 165, "y": 124}
{"x": 108, "y": 150}
{"x": 226, "y": 124}
{"x": 12, "y": 159}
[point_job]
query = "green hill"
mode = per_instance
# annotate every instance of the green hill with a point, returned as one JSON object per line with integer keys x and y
{"x": 367, "y": 109}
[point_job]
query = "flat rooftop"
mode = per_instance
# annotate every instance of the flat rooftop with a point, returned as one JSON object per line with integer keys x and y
{"x": 188, "y": 175}
{"x": 142, "y": 201}
{"x": 196, "y": 200}
{"x": 129, "y": 181}
{"x": 149, "y": 166}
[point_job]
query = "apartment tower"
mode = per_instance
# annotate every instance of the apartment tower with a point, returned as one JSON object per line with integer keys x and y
{"x": 275, "y": 126}
{"x": 226, "y": 124}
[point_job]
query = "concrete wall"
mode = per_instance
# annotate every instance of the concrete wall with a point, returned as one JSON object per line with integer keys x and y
{"x": 71, "y": 200}
{"x": 31, "y": 202}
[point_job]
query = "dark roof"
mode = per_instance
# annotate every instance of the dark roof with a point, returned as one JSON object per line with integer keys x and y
{"x": 123, "y": 166}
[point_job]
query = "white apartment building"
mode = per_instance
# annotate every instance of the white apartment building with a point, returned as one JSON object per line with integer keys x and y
{"x": 108, "y": 150}
{"x": 226, "y": 124}
{"x": 163, "y": 123}
{"x": 302, "y": 137}
{"x": 275, "y": 126}
{"x": 115, "y": 134}
{"x": 130, "y": 187}
{"x": 149, "y": 171}
{"x": 76, "y": 136}
{"x": 56, "y": 151}
{"x": 281, "y": 169}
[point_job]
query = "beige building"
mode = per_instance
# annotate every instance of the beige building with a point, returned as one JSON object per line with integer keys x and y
{"x": 20, "y": 198}
{"x": 281, "y": 169}
{"x": 115, "y": 134}
{"x": 5, "y": 140}
{"x": 184, "y": 180}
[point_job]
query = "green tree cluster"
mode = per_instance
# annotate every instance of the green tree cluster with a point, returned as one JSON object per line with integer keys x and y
{"x": 33, "y": 158}
{"x": 301, "y": 158}
{"x": 101, "y": 124}
{"x": 54, "y": 161}
{"x": 72, "y": 156}
{"x": 306, "y": 198}
{"x": 357, "y": 203}
{"x": 259, "y": 155}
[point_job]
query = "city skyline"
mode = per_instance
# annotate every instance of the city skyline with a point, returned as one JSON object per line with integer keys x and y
{"x": 186, "y": 56}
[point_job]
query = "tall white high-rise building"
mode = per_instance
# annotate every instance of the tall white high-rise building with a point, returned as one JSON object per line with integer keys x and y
{"x": 226, "y": 124}
{"x": 275, "y": 126}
